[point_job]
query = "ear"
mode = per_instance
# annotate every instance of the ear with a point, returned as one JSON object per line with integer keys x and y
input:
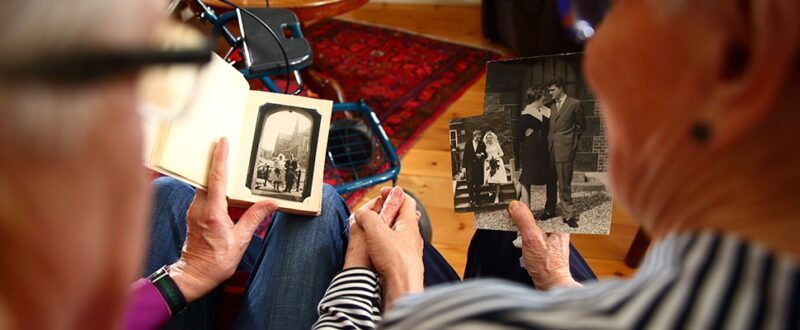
{"x": 756, "y": 55}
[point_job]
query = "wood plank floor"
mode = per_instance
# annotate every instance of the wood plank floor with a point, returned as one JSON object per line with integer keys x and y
{"x": 426, "y": 166}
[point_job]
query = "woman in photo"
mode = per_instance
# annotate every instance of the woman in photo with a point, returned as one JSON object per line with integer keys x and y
{"x": 531, "y": 130}
{"x": 494, "y": 168}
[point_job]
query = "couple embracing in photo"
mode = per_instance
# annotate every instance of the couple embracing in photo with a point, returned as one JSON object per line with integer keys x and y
{"x": 548, "y": 129}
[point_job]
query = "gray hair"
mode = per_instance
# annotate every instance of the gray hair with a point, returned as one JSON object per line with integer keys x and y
{"x": 38, "y": 117}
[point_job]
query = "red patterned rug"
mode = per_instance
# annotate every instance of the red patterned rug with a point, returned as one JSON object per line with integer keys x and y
{"x": 407, "y": 79}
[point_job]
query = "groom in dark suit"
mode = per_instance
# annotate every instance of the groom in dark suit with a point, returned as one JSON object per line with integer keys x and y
{"x": 474, "y": 155}
{"x": 566, "y": 127}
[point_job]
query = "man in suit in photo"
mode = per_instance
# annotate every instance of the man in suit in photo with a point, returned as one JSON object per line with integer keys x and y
{"x": 291, "y": 167}
{"x": 474, "y": 155}
{"x": 567, "y": 124}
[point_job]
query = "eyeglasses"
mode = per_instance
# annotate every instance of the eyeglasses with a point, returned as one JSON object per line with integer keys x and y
{"x": 168, "y": 69}
{"x": 581, "y": 17}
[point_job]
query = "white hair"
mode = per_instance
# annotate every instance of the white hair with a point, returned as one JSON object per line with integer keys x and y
{"x": 37, "y": 116}
{"x": 34, "y": 28}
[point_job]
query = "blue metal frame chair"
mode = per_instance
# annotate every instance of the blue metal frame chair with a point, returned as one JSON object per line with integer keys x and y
{"x": 356, "y": 158}
{"x": 359, "y": 153}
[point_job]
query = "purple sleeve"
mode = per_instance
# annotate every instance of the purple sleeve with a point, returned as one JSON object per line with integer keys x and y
{"x": 146, "y": 308}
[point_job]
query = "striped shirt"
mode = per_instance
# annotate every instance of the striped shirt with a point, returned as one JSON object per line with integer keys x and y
{"x": 691, "y": 281}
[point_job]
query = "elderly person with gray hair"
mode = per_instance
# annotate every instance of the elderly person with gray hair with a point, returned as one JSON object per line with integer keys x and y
{"x": 701, "y": 102}
{"x": 74, "y": 196}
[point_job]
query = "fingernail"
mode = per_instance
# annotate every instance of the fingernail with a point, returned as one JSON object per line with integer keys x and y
{"x": 271, "y": 208}
{"x": 513, "y": 206}
{"x": 397, "y": 191}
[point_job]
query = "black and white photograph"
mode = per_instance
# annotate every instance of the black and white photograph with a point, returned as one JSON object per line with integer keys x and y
{"x": 281, "y": 162}
{"x": 560, "y": 168}
{"x": 483, "y": 162}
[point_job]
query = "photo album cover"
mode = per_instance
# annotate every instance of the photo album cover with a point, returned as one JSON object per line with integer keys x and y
{"x": 276, "y": 142}
{"x": 551, "y": 152}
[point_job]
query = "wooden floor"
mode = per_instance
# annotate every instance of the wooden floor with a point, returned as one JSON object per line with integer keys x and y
{"x": 426, "y": 166}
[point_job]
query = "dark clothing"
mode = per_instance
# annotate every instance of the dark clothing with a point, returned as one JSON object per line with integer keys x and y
{"x": 262, "y": 173}
{"x": 534, "y": 154}
{"x": 473, "y": 161}
{"x": 291, "y": 168}
{"x": 566, "y": 127}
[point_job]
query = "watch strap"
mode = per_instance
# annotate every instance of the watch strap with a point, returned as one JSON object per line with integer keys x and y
{"x": 169, "y": 290}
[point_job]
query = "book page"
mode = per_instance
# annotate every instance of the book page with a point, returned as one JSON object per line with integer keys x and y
{"x": 216, "y": 111}
{"x": 281, "y": 155}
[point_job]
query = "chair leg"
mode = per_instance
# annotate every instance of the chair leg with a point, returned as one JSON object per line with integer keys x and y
{"x": 638, "y": 249}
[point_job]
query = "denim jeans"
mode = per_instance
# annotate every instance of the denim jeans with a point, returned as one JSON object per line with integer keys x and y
{"x": 290, "y": 269}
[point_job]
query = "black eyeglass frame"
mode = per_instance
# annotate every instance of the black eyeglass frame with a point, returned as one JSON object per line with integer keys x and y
{"x": 93, "y": 66}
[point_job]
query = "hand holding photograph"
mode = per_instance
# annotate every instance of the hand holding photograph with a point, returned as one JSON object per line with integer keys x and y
{"x": 277, "y": 142}
{"x": 558, "y": 144}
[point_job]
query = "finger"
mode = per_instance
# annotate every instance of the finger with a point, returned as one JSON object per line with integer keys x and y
{"x": 377, "y": 204}
{"x": 381, "y": 199}
{"x": 370, "y": 204}
{"x": 254, "y": 216}
{"x": 523, "y": 218}
{"x": 372, "y": 224}
{"x": 391, "y": 207}
{"x": 385, "y": 191}
{"x": 407, "y": 221}
{"x": 217, "y": 176}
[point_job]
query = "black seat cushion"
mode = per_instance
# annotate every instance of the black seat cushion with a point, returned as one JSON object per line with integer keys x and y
{"x": 262, "y": 54}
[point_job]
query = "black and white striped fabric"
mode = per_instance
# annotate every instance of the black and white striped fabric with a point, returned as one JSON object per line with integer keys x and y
{"x": 352, "y": 301}
{"x": 690, "y": 281}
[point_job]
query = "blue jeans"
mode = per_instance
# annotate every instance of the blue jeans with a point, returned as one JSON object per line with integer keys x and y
{"x": 290, "y": 269}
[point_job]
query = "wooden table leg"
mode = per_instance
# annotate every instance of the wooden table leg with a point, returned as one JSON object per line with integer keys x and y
{"x": 641, "y": 242}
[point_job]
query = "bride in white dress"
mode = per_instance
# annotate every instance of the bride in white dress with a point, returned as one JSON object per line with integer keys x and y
{"x": 494, "y": 168}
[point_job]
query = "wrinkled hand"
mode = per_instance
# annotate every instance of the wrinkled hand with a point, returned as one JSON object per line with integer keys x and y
{"x": 395, "y": 249}
{"x": 546, "y": 256}
{"x": 388, "y": 206}
{"x": 214, "y": 244}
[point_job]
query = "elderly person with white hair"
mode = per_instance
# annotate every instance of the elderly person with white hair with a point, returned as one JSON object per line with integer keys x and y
{"x": 74, "y": 195}
{"x": 701, "y": 102}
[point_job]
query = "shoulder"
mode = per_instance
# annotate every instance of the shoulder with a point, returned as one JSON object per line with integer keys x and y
{"x": 498, "y": 304}
{"x": 572, "y": 100}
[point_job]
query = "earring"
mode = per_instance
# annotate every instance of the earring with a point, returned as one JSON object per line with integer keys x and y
{"x": 700, "y": 132}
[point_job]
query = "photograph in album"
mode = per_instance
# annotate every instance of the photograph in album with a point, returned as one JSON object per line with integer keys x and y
{"x": 281, "y": 163}
{"x": 277, "y": 142}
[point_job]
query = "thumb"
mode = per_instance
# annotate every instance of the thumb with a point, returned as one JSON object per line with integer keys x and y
{"x": 526, "y": 223}
{"x": 254, "y": 216}
{"x": 372, "y": 223}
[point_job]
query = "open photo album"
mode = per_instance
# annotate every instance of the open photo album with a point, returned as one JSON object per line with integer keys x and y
{"x": 276, "y": 142}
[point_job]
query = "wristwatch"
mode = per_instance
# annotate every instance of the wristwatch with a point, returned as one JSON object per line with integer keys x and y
{"x": 168, "y": 289}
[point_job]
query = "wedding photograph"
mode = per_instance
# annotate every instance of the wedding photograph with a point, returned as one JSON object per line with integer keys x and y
{"x": 282, "y": 154}
{"x": 560, "y": 168}
{"x": 483, "y": 162}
